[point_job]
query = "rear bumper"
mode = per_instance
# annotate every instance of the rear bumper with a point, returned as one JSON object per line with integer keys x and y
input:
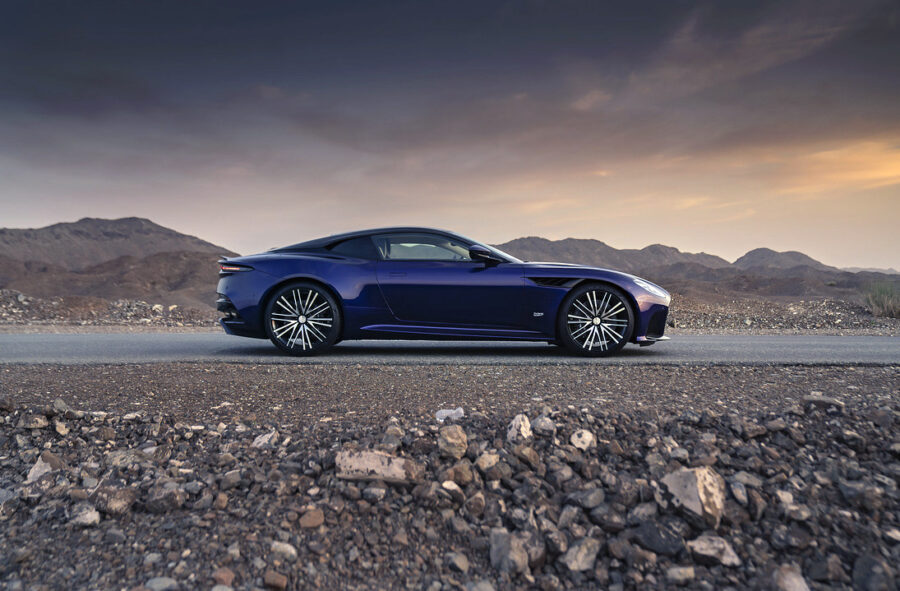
{"x": 232, "y": 322}
{"x": 647, "y": 341}
{"x": 238, "y": 329}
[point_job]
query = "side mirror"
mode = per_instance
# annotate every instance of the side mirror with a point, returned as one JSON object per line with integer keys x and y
{"x": 480, "y": 253}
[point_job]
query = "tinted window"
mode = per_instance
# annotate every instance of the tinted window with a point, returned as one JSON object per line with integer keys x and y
{"x": 361, "y": 248}
{"x": 422, "y": 247}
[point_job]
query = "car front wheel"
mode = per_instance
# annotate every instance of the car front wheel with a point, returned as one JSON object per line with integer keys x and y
{"x": 302, "y": 319}
{"x": 595, "y": 321}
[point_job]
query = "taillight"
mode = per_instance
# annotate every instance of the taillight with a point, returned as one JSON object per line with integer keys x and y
{"x": 225, "y": 268}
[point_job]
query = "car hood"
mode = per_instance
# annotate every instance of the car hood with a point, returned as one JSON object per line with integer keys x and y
{"x": 548, "y": 266}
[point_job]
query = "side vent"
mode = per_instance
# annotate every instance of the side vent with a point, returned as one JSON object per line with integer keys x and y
{"x": 551, "y": 281}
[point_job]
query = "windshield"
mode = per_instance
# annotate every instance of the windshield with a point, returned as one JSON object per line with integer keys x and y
{"x": 496, "y": 251}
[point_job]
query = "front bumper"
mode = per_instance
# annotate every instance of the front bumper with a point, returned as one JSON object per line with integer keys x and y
{"x": 651, "y": 323}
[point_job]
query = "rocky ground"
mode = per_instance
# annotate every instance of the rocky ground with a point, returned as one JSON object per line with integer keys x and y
{"x": 691, "y": 315}
{"x": 18, "y": 311}
{"x": 553, "y": 478}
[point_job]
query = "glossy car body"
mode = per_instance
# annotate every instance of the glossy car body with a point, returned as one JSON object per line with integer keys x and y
{"x": 495, "y": 296}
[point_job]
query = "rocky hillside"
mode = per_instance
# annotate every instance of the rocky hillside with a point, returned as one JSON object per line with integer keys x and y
{"x": 90, "y": 241}
{"x": 766, "y": 257}
{"x": 129, "y": 258}
{"x": 760, "y": 272}
{"x": 600, "y": 254}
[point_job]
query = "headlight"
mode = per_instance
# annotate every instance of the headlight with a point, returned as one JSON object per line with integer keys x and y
{"x": 654, "y": 289}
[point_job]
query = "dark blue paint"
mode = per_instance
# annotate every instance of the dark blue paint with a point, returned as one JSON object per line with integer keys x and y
{"x": 423, "y": 299}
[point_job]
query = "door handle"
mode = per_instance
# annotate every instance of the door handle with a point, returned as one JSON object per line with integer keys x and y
{"x": 396, "y": 274}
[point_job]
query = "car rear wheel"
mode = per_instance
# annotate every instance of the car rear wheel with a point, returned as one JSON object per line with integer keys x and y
{"x": 302, "y": 319}
{"x": 595, "y": 321}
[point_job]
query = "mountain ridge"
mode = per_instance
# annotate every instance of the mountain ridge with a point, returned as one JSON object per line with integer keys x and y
{"x": 135, "y": 258}
{"x": 89, "y": 241}
{"x": 597, "y": 253}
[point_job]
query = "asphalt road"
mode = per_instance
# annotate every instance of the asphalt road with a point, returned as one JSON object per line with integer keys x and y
{"x": 168, "y": 347}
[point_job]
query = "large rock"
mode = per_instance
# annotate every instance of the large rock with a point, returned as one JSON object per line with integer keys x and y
{"x": 39, "y": 468}
{"x": 312, "y": 518}
{"x": 84, "y": 515}
{"x": 713, "y": 550}
{"x": 165, "y": 497}
{"x": 660, "y": 537}
{"x": 114, "y": 500}
{"x": 544, "y": 427}
{"x": 446, "y": 414}
{"x": 872, "y": 573}
{"x": 265, "y": 440}
{"x": 788, "y": 577}
{"x": 581, "y": 555}
{"x": 583, "y": 439}
{"x": 376, "y": 465}
{"x": 519, "y": 429}
{"x": 161, "y": 584}
{"x": 824, "y": 402}
{"x": 46, "y": 463}
{"x": 284, "y": 551}
{"x": 508, "y": 553}
{"x": 699, "y": 492}
{"x": 452, "y": 441}
{"x": 680, "y": 575}
{"x": 492, "y": 467}
{"x": 275, "y": 580}
{"x": 33, "y": 421}
{"x": 9, "y": 502}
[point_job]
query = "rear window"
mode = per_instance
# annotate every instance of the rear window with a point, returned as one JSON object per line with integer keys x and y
{"x": 360, "y": 248}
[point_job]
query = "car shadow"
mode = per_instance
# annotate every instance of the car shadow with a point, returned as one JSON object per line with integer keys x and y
{"x": 435, "y": 349}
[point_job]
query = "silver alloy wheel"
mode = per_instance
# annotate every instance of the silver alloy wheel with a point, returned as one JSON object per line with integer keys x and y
{"x": 301, "y": 318}
{"x": 597, "y": 319}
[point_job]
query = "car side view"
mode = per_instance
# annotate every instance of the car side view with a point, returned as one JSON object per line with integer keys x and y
{"x": 422, "y": 283}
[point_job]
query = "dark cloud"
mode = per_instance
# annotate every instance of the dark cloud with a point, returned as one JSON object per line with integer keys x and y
{"x": 87, "y": 95}
{"x": 699, "y": 109}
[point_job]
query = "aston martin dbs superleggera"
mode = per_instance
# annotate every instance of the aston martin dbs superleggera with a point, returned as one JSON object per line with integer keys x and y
{"x": 421, "y": 283}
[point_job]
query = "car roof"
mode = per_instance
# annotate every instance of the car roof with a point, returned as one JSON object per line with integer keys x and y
{"x": 328, "y": 240}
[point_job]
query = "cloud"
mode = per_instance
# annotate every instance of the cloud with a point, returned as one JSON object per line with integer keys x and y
{"x": 89, "y": 94}
{"x": 591, "y": 100}
{"x": 697, "y": 56}
{"x": 859, "y": 166}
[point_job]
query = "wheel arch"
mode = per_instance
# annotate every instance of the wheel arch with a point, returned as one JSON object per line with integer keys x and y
{"x": 267, "y": 295}
{"x": 593, "y": 281}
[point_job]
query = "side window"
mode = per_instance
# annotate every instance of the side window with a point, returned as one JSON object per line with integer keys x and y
{"x": 421, "y": 247}
{"x": 361, "y": 248}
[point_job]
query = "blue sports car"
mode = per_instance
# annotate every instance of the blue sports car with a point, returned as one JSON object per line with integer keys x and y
{"x": 421, "y": 283}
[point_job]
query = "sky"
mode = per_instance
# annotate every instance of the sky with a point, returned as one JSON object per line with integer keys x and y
{"x": 708, "y": 126}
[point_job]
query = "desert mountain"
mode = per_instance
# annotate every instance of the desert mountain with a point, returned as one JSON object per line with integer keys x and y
{"x": 90, "y": 241}
{"x": 766, "y": 257}
{"x": 134, "y": 258}
{"x": 762, "y": 271}
{"x": 129, "y": 258}
{"x": 187, "y": 279}
{"x": 600, "y": 254}
{"x": 888, "y": 271}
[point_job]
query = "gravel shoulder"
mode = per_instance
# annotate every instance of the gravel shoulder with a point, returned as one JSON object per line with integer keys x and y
{"x": 285, "y": 393}
{"x": 185, "y": 476}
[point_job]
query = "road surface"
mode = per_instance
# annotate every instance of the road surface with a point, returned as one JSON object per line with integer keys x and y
{"x": 210, "y": 347}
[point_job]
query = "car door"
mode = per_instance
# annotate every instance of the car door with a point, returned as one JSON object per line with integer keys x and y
{"x": 429, "y": 278}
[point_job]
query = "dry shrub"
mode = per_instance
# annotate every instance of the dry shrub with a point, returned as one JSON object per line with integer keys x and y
{"x": 883, "y": 299}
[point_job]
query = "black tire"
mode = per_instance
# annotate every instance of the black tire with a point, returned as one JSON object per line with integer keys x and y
{"x": 595, "y": 320}
{"x": 302, "y": 319}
